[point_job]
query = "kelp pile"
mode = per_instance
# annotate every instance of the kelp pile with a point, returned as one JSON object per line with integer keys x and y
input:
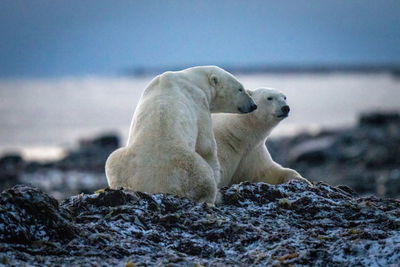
{"x": 256, "y": 224}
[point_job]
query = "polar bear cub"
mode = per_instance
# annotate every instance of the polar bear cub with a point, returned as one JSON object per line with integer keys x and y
{"x": 171, "y": 146}
{"x": 242, "y": 153}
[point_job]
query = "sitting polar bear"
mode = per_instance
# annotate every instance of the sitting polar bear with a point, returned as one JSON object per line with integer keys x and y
{"x": 242, "y": 153}
{"x": 171, "y": 146}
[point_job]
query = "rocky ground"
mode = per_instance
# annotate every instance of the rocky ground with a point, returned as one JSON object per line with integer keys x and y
{"x": 365, "y": 157}
{"x": 257, "y": 224}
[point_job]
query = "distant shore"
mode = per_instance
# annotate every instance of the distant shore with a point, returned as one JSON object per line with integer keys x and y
{"x": 393, "y": 69}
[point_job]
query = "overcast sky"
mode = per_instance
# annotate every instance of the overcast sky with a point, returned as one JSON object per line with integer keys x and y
{"x": 48, "y": 38}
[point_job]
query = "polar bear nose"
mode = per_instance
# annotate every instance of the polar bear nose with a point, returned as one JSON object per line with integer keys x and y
{"x": 253, "y": 107}
{"x": 285, "y": 109}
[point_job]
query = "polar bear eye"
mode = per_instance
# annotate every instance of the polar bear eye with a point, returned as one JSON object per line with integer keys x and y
{"x": 269, "y": 98}
{"x": 284, "y": 98}
{"x": 240, "y": 90}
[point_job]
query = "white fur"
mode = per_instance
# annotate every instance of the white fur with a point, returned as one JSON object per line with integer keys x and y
{"x": 171, "y": 146}
{"x": 242, "y": 153}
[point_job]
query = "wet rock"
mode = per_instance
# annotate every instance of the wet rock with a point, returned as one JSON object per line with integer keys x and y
{"x": 257, "y": 224}
{"x": 11, "y": 166}
{"x": 28, "y": 215}
{"x": 239, "y": 194}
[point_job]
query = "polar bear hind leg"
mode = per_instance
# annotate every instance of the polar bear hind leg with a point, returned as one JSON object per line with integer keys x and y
{"x": 200, "y": 183}
{"x": 187, "y": 174}
{"x": 113, "y": 171}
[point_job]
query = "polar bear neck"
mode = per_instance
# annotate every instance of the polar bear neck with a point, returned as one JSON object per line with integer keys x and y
{"x": 255, "y": 133}
{"x": 242, "y": 132}
{"x": 198, "y": 77}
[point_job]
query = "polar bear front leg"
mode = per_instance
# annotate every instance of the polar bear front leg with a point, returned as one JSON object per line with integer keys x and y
{"x": 284, "y": 175}
{"x": 258, "y": 166}
{"x": 206, "y": 147}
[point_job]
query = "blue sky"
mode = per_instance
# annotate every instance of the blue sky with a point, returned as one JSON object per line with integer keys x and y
{"x": 47, "y": 38}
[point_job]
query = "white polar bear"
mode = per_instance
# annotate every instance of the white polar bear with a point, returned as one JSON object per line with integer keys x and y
{"x": 171, "y": 146}
{"x": 242, "y": 153}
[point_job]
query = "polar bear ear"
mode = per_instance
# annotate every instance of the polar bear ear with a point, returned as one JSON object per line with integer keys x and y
{"x": 214, "y": 81}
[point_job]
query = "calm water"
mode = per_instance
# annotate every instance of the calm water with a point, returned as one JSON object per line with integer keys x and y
{"x": 40, "y": 117}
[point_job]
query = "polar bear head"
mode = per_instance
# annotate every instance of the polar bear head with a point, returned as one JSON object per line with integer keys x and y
{"x": 228, "y": 94}
{"x": 272, "y": 106}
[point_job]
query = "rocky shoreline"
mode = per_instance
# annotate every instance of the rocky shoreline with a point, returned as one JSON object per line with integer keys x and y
{"x": 81, "y": 170}
{"x": 257, "y": 224}
{"x": 365, "y": 157}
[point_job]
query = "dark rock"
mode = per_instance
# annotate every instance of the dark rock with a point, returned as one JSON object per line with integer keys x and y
{"x": 257, "y": 224}
{"x": 314, "y": 151}
{"x": 238, "y": 195}
{"x": 28, "y": 215}
{"x": 33, "y": 166}
{"x": 104, "y": 141}
{"x": 362, "y": 184}
{"x": 11, "y": 162}
{"x": 392, "y": 184}
{"x": 11, "y": 166}
{"x": 379, "y": 118}
{"x": 91, "y": 154}
{"x": 347, "y": 189}
{"x": 378, "y": 157}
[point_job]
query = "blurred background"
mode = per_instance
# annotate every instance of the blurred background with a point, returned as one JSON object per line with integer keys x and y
{"x": 71, "y": 74}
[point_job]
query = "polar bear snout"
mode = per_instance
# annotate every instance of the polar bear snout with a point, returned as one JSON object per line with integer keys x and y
{"x": 284, "y": 112}
{"x": 285, "y": 109}
{"x": 248, "y": 108}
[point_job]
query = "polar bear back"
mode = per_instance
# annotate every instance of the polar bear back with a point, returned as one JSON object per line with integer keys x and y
{"x": 169, "y": 108}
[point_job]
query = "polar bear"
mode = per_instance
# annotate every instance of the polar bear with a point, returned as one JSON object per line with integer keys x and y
{"x": 242, "y": 153}
{"x": 171, "y": 146}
